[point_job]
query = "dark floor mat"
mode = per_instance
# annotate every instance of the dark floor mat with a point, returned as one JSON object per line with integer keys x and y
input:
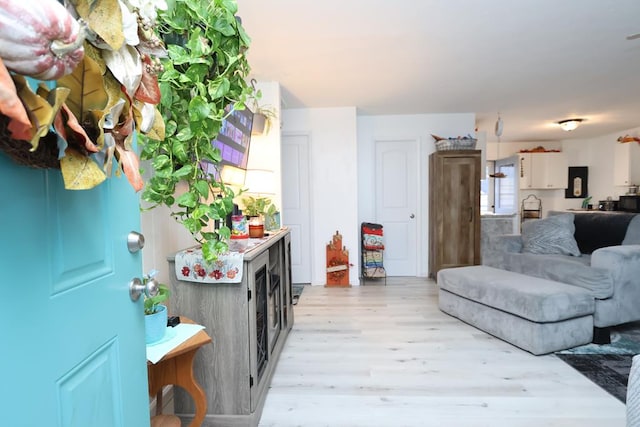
{"x": 609, "y": 371}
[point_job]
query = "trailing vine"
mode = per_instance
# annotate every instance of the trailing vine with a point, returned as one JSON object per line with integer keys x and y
{"x": 205, "y": 72}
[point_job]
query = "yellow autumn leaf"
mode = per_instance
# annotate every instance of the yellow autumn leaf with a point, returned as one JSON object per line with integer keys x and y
{"x": 79, "y": 172}
{"x": 39, "y": 111}
{"x": 94, "y": 53}
{"x": 157, "y": 131}
{"x": 99, "y": 117}
{"x": 137, "y": 113}
{"x": 55, "y": 97}
{"x": 87, "y": 89}
{"x": 104, "y": 17}
{"x": 114, "y": 91}
{"x": 148, "y": 120}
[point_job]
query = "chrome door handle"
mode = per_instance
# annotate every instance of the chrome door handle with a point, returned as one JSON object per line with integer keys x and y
{"x": 412, "y": 216}
{"x": 148, "y": 286}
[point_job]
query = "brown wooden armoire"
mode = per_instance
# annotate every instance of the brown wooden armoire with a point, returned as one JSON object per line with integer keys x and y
{"x": 454, "y": 209}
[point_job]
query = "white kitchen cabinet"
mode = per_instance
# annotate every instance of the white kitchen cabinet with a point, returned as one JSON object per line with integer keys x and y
{"x": 626, "y": 164}
{"x": 546, "y": 171}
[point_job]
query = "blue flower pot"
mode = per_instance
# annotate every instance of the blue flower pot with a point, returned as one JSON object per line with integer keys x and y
{"x": 155, "y": 325}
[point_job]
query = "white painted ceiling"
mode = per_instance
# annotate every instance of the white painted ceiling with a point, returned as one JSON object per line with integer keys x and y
{"x": 534, "y": 61}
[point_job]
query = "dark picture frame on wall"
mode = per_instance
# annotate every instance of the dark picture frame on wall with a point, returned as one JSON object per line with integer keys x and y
{"x": 577, "y": 187}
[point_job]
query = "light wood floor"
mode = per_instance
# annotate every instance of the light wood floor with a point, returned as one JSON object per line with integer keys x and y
{"x": 386, "y": 356}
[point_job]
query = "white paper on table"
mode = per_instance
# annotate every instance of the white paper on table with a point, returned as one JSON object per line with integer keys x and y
{"x": 176, "y": 335}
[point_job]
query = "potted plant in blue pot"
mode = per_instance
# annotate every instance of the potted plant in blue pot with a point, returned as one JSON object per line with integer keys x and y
{"x": 155, "y": 314}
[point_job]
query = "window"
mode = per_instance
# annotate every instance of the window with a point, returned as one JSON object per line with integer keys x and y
{"x": 506, "y": 188}
{"x": 486, "y": 189}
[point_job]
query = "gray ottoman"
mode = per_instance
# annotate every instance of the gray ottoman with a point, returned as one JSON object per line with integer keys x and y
{"x": 537, "y": 315}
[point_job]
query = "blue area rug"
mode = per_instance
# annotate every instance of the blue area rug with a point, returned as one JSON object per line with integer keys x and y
{"x": 607, "y": 365}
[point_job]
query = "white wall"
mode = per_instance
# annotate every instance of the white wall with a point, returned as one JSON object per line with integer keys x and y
{"x": 393, "y": 127}
{"x": 264, "y": 152}
{"x": 333, "y": 180}
{"x": 163, "y": 237}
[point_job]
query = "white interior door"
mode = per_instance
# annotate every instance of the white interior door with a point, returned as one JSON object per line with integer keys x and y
{"x": 396, "y": 203}
{"x": 296, "y": 210}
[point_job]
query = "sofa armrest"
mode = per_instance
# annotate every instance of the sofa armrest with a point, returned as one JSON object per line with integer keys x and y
{"x": 493, "y": 254}
{"x": 506, "y": 243}
{"x": 623, "y": 263}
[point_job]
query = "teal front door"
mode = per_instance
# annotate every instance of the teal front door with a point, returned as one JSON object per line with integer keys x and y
{"x": 72, "y": 349}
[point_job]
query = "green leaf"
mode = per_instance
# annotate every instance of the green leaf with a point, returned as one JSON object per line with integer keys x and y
{"x": 151, "y": 303}
{"x": 198, "y": 72}
{"x": 192, "y": 225}
{"x": 199, "y": 109}
{"x": 183, "y": 172}
{"x": 170, "y": 128}
{"x": 161, "y": 162}
{"x": 208, "y": 251}
{"x": 178, "y": 55}
{"x": 225, "y": 233}
{"x": 184, "y": 134}
{"x": 219, "y": 87}
{"x": 202, "y": 187}
{"x": 179, "y": 150}
{"x": 187, "y": 199}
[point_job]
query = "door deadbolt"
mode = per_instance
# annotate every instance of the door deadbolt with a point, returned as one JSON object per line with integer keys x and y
{"x": 135, "y": 242}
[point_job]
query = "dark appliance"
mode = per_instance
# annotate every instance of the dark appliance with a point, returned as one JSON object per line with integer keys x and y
{"x": 629, "y": 203}
{"x": 608, "y": 205}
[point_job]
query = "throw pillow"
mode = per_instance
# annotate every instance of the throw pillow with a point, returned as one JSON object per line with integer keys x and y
{"x": 552, "y": 235}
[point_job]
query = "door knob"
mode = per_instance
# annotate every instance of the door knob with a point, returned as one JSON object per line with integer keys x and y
{"x": 135, "y": 242}
{"x": 148, "y": 286}
{"x": 412, "y": 216}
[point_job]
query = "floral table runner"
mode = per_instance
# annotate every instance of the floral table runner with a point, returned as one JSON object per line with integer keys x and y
{"x": 191, "y": 267}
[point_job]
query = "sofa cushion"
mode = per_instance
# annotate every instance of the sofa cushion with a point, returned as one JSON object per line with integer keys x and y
{"x": 600, "y": 229}
{"x": 532, "y": 298}
{"x": 572, "y": 270}
{"x": 551, "y": 235}
{"x": 595, "y": 230}
{"x": 633, "y": 232}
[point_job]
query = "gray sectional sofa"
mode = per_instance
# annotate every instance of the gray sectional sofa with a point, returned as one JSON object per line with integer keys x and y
{"x": 603, "y": 258}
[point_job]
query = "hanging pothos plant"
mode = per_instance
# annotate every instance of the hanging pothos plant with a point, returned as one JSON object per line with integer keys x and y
{"x": 205, "y": 74}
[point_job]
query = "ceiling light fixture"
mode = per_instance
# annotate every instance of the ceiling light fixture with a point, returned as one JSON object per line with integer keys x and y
{"x": 569, "y": 124}
{"x": 499, "y": 126}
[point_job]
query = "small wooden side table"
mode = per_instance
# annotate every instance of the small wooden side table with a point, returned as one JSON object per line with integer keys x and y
{"x": 176, "y": 368}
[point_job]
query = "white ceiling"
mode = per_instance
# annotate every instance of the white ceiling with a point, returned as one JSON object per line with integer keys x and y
{"x": 534, "y": 61}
